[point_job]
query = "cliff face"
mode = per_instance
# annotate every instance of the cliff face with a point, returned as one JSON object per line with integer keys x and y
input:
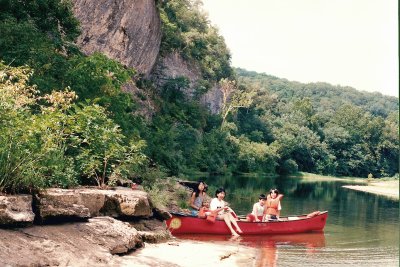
{"x": 127, "y": 30}
{"x": 173, "y": 65}
{"x": 212, "y": 100}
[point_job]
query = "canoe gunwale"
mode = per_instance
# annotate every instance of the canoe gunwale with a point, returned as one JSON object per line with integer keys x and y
{"x": 183, "y": 223}
{"x": 178, "y": 214}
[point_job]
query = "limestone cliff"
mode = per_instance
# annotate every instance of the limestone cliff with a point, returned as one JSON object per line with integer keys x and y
{"x": 129, "y": 31}
{"x": 173, "y": 65}
{"x": 126, "y": 30}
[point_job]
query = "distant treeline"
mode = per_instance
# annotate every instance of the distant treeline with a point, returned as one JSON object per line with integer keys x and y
{"x": 325, "y": 97}
{"x": 323, "y": 128}
{"x": 64, "y": 119}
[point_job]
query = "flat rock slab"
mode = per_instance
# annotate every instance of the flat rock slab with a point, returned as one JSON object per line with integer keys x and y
{"x": 91, "y": 243}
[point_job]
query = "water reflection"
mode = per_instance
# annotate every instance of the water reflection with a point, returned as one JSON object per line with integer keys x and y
{"x": 267, "y": 246}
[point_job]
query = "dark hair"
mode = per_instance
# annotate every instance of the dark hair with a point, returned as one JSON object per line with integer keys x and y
{"x": 196, "y": 191}
{"x": 274, "y": 191}
{"x": 262, "y": 196}
{"x": 219, "y": 190}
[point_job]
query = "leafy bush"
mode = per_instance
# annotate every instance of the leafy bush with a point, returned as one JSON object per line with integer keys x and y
{"x": 98, "y": 145}
{"x": 32, "y": 145}
{"x": 47, "y": 141}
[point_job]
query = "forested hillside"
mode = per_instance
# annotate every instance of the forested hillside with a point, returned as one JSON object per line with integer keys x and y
{"x": 66, "y": 120}
{"x": 325, "y": 97}
{"x": 323, "y": 128}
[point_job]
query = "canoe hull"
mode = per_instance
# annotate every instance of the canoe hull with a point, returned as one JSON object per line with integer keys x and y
{"x": 180, "y": 224}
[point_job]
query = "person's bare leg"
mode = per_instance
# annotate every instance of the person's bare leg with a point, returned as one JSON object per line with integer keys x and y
{"x": 229, "y": 224}
{"x": 233, "y": 220}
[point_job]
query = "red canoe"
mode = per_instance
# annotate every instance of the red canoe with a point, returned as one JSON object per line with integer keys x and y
{"x": 184, "y": 224}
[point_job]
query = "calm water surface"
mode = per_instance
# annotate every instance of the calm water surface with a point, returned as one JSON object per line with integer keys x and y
{"x": 362, "y": 229}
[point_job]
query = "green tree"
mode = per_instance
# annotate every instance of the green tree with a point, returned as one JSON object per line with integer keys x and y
{"x": 232, "y": 99}
{"x": 99, "y": 145}
{"x": 53, "y": 17}
{"x": 40, "y": 34}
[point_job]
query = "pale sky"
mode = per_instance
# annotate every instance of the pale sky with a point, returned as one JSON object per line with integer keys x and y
{"x": 341, "y": 42}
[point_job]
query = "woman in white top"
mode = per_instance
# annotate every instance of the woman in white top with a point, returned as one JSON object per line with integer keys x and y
{"x": 224, "y": 213}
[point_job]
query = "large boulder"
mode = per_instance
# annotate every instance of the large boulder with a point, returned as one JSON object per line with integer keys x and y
{"x": 58, "y": 203}
{"x": 82, "y": 203}
{"x": 118, "y": 237}
{"x": 16, "y": 210}
{"x": 126, "y": 202}
{"x": 127, "y": 31}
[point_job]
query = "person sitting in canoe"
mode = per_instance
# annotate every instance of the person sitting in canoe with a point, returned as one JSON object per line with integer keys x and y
{"x": 273, "y": 206}
{"x": 258, "y": 210}
{"x": 197, "y": 198}
{"x": 224, "y": 212}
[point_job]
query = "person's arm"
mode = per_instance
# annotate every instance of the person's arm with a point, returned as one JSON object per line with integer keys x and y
{"x": 254, "y": 212}
{"x": 279, "y": 209}
{"x": 206, "y": 201}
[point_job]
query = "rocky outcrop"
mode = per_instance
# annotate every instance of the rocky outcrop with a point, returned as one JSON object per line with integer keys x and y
{"x": 212, "y": 100}
{"x": 68, "y": 242}
{"x": 172, "y": 66}
{"x": 127, "y": 31}
{"x": 90, "y": 242}
{"x": 16, "y": 210}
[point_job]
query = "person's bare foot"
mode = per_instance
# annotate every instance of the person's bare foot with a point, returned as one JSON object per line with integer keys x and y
{"x": 235, "y": 234}
{"x": 234, "y": 237}
{"x": 239, "y": 231}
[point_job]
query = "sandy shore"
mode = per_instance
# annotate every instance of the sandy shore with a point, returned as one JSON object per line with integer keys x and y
{"x": 384, "y": 188}
{"x": 191, "y": 253}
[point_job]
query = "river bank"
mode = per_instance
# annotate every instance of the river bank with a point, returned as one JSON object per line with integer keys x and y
{"x": 318, "y": 177}
{"x": 178, "y": 252}
{"x": 388, "y": 189}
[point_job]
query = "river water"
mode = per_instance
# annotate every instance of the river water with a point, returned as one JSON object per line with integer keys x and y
{"x": 362, "y": 229}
